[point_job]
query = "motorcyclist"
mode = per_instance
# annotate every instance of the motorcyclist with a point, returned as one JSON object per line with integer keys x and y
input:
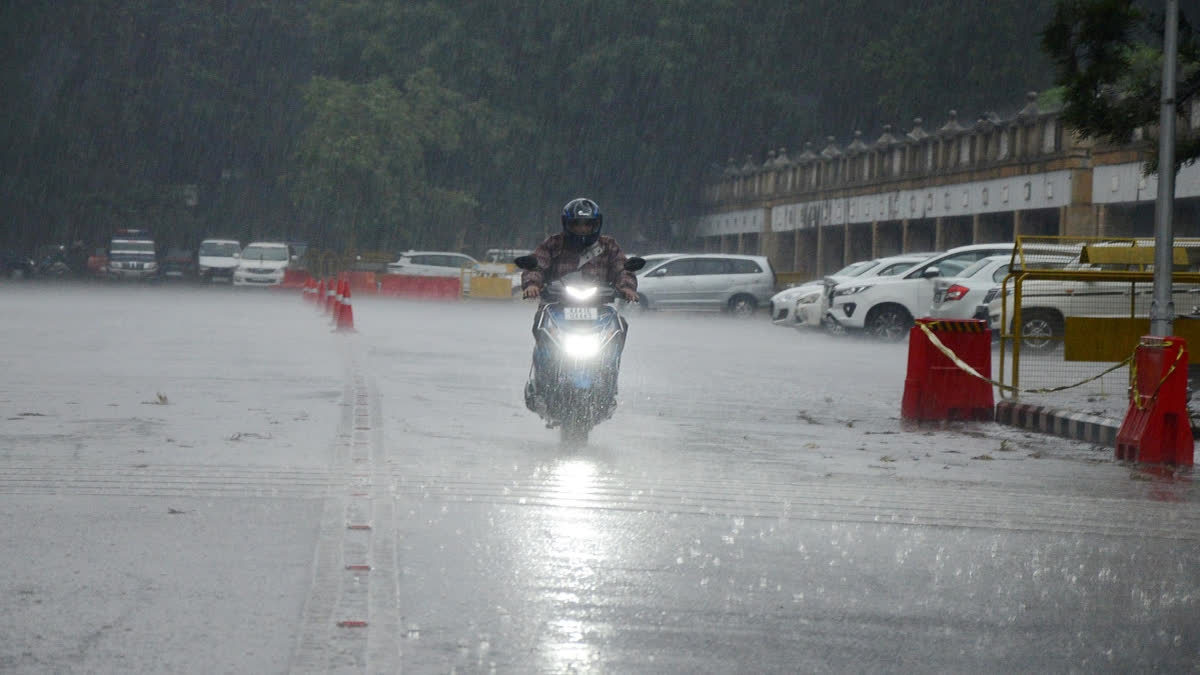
{"x": 579, "y": 247}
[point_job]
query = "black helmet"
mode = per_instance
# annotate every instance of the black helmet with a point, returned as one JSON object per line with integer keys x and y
{"x": 582, "y": 210}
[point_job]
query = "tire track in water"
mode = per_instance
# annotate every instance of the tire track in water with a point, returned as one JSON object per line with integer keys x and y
{"x": 873, "y": 502}
{"x": 65, "y": 477}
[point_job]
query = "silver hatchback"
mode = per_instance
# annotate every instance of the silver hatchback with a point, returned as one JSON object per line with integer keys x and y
{"x": 709, "y": 281}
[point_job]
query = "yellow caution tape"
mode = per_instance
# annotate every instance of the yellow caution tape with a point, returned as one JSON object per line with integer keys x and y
{"x": 1137, "y": 396}
{"x": 974, "y": 373}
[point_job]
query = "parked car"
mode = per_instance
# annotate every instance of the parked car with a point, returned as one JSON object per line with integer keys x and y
{"x": 504, "y": 255}
{"x": 1046, "y": 304}
{"x": 262, "y": 263}
{"x": 885, "y": 307}
{"x": 179, "y": 263}
{"x": 431, "y": 263}
{"x": 216, "y": 260}
{"x": 708, "y": 281}
{"x": 15, "y": 265}
{"x": 97, "y": 262}
{"x": 801, "y": 309}
{"x": 967, "y": 295}
{"x": 132, "y": 255}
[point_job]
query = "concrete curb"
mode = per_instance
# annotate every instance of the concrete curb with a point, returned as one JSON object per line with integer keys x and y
{"x": 1074, "y": 425}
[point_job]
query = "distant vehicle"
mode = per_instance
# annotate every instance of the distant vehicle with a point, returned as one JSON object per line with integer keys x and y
{"x": 262, "y": 263}
{"x": 737, "y": 284}
{"x": 132, "y": 255}
{"x": 97, "y": 262}
{"x": 217, "y": 258}
{"x": 504, "y": 255}
{"x": 786, "y": 305}
{"x": 15, "y": 265}
{"x": 885, "y": 307}
{"x": 431, "y": 263}
{"x": 179, "y": 263}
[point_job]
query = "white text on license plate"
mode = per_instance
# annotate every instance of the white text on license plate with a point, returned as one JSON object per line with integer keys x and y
{"x": 580, "y": 313}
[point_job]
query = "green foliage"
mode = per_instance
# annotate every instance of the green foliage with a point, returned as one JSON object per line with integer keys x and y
{"x": 429, "y": 123}
{"x": 1109, "y": 65}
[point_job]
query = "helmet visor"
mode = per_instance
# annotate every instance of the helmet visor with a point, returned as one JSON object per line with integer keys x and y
{"x": 583, "y": 226}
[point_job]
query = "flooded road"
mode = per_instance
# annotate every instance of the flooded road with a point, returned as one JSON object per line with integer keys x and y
{"x": 206, "y": 480}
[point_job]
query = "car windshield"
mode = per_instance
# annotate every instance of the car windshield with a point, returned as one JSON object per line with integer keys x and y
{"x": 896, "y": 268}
{"x": 855, "y": 269}
{"x": 274, "y": 253}
{"x": 222, "y": 249}
{"x": 974, "y": 268}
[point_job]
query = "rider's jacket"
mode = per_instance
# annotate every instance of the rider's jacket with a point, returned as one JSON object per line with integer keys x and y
{"x": 603, "y": 261}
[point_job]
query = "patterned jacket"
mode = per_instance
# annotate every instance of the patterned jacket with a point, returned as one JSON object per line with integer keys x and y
{"x": 556, "y": 259}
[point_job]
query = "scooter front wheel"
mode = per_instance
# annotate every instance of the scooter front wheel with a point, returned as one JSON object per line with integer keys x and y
{"x": 574, "y": 433}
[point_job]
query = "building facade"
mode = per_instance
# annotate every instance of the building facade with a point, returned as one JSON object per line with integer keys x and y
{"x": 923, "y": 190}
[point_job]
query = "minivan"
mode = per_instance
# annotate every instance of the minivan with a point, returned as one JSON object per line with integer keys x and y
{"x": 737, "y": 284}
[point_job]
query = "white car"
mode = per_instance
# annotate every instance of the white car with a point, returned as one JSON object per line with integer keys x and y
{"x": 886, "y": 306}
{"x": 967, "y": 296}
{"x": 431, "y": 264}
{"x": 811, "y": 314}
{"x": 262, "y": 263}
{"x": 784, "y": 302}
{"x": 217, "y": 258}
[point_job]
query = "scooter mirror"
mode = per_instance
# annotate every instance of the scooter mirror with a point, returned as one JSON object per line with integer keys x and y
{"x": 526, "y": 262}
{"x": 634, "y": 264}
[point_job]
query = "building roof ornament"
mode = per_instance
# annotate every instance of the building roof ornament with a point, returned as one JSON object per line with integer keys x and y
{"x": 731, "y": 168}
{"x": 856, "y": 146}
{"x": 951, "y": 127}
{"x": 887, "y": 139}
{"x": 831, "y": 149}
{"x": 1030, "y": 112}
{"x": 807, "y": 155}
{"x": 917, "y": 132}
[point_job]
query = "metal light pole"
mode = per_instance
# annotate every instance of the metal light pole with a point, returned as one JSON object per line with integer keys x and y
{"x": 1162, "y": 308}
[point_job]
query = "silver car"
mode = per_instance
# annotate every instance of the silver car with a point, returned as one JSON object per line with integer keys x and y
{"x": 710, "y": 281}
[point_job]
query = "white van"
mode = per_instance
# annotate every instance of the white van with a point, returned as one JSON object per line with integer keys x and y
{"x": 262, "y": 263}
{"x": 216, "y": 259}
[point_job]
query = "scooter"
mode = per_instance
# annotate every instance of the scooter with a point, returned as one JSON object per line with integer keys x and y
{"x": 579, "y": 336}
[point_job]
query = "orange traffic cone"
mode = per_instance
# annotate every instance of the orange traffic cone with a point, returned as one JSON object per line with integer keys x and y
{"x": 345, "y": 314}
{"x": 337, "y": 303}
{"x": 330, "y": 296}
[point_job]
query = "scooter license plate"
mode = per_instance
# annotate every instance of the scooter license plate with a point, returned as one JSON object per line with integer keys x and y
{"x": 580, "y": 313}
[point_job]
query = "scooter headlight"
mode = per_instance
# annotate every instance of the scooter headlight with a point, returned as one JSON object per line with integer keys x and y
{"x": 581, "y": 346}
{"x": 581, "y": 292}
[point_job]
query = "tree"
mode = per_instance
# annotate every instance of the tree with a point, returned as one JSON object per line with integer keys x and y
{"x": 1109, "y": 59}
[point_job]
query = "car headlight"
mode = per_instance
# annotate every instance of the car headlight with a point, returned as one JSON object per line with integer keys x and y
{"x": 810, "y": 299}
{"x": 853, "y": 290}
{"x": 581, "y": 346}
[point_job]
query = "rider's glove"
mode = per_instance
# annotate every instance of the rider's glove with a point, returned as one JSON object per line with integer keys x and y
{"x": 532, "y": 291}
{"x": 629, "y": 295}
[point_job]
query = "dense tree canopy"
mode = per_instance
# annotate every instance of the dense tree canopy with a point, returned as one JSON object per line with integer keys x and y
{"x": 447, "y": 123}
{"x": 1110, "y": 60}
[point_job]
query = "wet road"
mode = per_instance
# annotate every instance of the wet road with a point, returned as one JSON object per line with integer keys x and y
{"x": 212, "y": 481}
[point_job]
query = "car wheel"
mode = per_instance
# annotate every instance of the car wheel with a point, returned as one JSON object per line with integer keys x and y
{"x": 742, "y": 305}
{"x": 890, "y": 323}
{"x": 1040, "y": 331}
